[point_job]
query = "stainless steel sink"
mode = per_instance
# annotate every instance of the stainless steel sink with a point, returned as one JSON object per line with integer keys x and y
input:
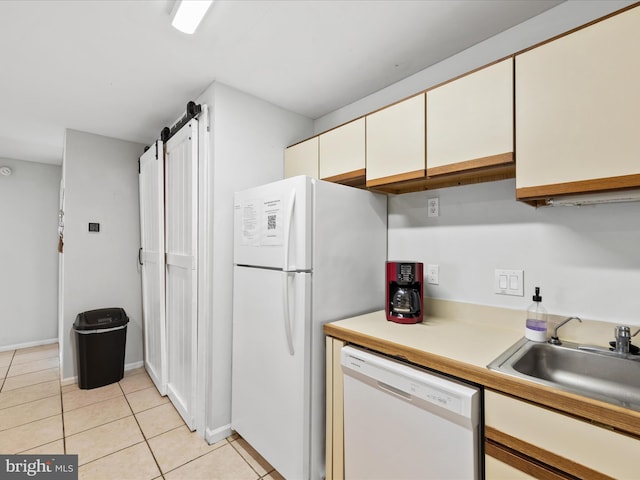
{"x": 589, "y": 371}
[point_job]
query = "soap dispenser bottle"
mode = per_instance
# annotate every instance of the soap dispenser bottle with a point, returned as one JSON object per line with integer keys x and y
{"x": 536, "y": 327}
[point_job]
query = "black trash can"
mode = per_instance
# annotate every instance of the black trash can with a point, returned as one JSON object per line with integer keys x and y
{"x": 101, "y": 338}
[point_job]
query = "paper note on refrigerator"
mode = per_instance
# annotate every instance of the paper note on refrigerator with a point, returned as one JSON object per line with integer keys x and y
{"x": 250, "y": 223}
{"x": 262, "y": 222}
{"x": 272, "y": 222}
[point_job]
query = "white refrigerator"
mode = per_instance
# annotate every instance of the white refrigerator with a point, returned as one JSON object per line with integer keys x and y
{"x": 306, "y": 252}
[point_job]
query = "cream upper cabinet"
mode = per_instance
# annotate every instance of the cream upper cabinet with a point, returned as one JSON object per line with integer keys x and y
{"x": 396, "y": 142}
{"x": 578, "y": 111}
{"x": 302, "y": 159}
{"x": 342, "y": 152}
{"x": 470, "y": 121}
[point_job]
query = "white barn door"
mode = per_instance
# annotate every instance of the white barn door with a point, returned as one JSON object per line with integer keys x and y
{"x": 181, "y": 222}
{"x": 151, "y": 257}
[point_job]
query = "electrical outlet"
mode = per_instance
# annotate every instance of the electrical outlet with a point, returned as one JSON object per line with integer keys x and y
{"x": 433, "y": 207}
{"x": 433, "y": 274}
{"x": 509, "y": 282}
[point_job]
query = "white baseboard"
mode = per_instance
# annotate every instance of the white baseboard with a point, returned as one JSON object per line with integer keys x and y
{"x": 127, "y": 367}
{"x": 28, "y": 344}
{"x": 133, "y": 366}
{"x": 213, "y": 436}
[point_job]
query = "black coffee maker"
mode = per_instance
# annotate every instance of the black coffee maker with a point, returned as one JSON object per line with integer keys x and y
{"x": 404, "y": 292}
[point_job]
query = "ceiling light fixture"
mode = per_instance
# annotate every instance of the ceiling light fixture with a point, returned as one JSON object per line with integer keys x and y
{"x": 188, "y": 14}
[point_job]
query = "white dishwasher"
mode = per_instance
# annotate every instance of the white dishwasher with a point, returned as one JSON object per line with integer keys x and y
{"x": 403, "y": 422}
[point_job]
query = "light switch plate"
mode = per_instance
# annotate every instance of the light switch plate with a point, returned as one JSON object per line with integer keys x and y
{"x": 509, "y": 282}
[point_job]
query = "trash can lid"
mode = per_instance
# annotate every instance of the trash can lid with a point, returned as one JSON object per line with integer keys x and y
{"x": 101, "y": 318}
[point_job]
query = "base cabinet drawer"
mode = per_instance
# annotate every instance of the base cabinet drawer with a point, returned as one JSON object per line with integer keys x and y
{"x": 495, "y": 469}
{"x": 568, "y": 444}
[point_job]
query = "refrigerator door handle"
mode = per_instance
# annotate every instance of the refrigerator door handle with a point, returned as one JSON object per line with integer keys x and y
{"x": 287, "y": 233}
{"x": 287, "y": 314}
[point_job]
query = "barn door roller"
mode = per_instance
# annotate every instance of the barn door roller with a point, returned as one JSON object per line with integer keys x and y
{"x": 193, "y": 110}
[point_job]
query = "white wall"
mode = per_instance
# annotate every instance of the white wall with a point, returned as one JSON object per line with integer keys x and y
{"x": 585, "y": 259}
{"x": 564, "y": 17}
{"x": 248, "y": 138}
{"x": 100, "y": 269}
{"x": 28, "y": 254}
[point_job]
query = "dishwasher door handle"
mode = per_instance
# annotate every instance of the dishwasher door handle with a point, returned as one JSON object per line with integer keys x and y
{"x": 395, "y": 391}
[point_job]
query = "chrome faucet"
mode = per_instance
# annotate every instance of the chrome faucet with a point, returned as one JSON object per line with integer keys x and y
{"x": 623, "y": 338}
{"x": 554, "y": 340}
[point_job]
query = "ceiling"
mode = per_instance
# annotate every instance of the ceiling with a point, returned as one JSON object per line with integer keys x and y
{"x": 117, "y": 68}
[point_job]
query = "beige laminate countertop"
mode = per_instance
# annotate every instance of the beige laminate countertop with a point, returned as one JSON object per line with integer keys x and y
{"x": 462, "y": 339}
{"x": 452, "y": 338}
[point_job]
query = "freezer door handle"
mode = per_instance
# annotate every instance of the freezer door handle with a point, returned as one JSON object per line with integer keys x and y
{"x": 287, "y": 313}
{"x": 287, "y": 233}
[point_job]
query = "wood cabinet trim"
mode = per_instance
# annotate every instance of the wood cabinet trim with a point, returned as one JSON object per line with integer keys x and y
{"x": 578, "y": 187}
{"x": 357, "y": 178}
{"x": 467, "y": 165}
{"x": 489, "y": 174}
{"x": 522, "y": 463}
{"x": 545, "y": 456}
{"x": 402, "y": 177}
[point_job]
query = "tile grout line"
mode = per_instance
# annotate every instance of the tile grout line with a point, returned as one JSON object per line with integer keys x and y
{"x": 205, "y": 454}
{"x": 134, "y": 414}
{"x": 144, "y": 437}
{"x": 112, "y": 421}
{"x": 247, "y": 462}
{"x": 23, "y": 374}
{"x": 4, "y": 379}
{"x": 26, "y": 403}
{"x": 30, "y": 401}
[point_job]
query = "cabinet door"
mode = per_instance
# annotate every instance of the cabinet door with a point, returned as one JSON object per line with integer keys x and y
{"x": 470, "y": 121}
{"x": 396, "y": 142}
{"x": 181, "y": 272}
{"x": 152, "y": 268}
{"x": 577, "y": 447}
{"x": 342, "y": 154}
{"x": 302, "y": 159}
{"x": 577, "y": 104}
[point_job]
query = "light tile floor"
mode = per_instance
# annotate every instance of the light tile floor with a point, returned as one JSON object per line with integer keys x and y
{"x": 122, "y": 431}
